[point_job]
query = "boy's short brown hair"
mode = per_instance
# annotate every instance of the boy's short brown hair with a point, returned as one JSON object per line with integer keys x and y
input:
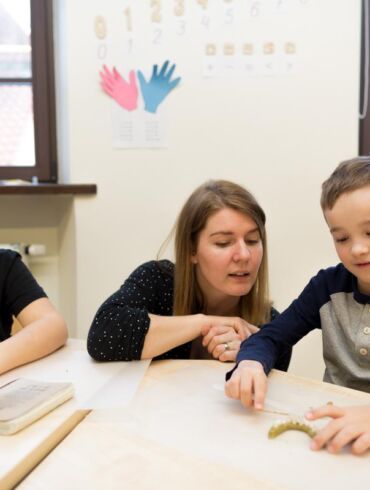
{"x": 348, "y": 176}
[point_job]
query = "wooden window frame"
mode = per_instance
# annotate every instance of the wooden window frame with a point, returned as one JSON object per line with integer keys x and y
{"x": 43, "y": 89}
{"x": 364, "y": 132}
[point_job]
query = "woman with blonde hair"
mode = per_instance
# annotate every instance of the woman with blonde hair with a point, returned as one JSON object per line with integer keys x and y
{"x": 206, "y": 304}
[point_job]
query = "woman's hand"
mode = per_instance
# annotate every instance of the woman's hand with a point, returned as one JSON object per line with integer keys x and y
{"x": 248, "y": 384}
{"x": 349, "y": 425}
{"x": 223, "y": 335}
{"x": 222, "y": 342}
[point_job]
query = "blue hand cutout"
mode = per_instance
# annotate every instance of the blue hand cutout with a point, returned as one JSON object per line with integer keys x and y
{"x": 158, "y": 87}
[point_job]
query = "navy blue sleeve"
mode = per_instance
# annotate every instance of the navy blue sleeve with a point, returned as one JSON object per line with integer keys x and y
{"x": 277, "y": 337}
{"x": 283, "y": 361}
{"x": 119, "y": 328}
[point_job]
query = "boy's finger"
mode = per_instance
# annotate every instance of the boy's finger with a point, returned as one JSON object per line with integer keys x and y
{"x": 362, "y": 444}
{"x": 324, "y": 411}
{"x": 260, "y": 387}
{"x": 343, "y": 437}
{"x": 232, "y": 387}
{"x": 325, "y": 434}
{"x": 246, "y": 388}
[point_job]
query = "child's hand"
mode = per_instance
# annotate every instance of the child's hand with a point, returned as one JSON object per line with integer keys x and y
{"x": 349, "y": 424}
{"x": 248, "y": 384}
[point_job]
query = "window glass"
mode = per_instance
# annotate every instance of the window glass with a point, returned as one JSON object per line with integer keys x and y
{"x": 27, "y": 100}
{"x": 15, "y": 39}
{"x": 17, "y": 145}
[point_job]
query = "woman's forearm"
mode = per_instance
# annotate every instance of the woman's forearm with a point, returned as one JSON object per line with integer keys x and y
{"x": 168, "y": 332}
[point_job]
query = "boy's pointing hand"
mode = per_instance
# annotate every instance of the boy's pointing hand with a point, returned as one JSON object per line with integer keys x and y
{"x": 248, "y": 384}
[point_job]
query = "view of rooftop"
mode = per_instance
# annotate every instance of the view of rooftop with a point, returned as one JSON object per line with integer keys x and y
{"x": 16, "y": 110}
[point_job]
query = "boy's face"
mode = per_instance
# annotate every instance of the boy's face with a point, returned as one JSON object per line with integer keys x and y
{"x": 349, "y": 224}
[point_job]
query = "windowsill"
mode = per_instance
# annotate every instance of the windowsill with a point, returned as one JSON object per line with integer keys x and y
{"x": 14, "y": 188}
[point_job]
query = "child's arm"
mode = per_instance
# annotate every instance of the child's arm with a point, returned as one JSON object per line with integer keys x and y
{"x": 349, "y": 425}
{"x": 43, "y": 332}
{"x": 248, "y": 384}
{"x": 271, "y": 346}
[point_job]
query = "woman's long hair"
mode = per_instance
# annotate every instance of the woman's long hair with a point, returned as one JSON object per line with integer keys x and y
{"x": 206, "y": 200}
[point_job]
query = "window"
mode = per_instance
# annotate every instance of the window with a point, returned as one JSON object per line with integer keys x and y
{"x": 364, "y": 146}
{"x": 27, "y": 100}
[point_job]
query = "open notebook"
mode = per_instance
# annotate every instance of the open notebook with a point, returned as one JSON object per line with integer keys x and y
{"x": 23, "y": 401}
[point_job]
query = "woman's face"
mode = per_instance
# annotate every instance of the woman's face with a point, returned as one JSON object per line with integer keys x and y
{"x": 228, "y": 255}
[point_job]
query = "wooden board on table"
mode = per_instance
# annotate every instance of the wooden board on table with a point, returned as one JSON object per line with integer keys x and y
{"x": 91, "y": 381}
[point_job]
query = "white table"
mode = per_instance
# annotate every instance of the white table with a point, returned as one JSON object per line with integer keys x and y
{"x": 181, "y": 432}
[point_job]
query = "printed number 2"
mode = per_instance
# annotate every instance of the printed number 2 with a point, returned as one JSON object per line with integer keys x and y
{"x": 157, "y": 36}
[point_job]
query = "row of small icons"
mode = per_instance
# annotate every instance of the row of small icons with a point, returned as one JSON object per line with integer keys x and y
{"x": 249, "y": 49}
{"x": 218, "y": 66}
{"x": 249, "y": 59}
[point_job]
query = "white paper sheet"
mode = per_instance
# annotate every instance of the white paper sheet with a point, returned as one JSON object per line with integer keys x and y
{"x": 96, "y": 384}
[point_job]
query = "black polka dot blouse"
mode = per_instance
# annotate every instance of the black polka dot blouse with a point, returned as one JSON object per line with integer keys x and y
{"x": 118, "y": 330}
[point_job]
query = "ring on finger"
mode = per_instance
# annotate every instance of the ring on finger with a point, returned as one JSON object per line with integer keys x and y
{"x": 226, "y": 345}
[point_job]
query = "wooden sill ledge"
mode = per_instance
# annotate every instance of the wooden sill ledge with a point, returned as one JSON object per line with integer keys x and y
{"x": 10, "y": 188}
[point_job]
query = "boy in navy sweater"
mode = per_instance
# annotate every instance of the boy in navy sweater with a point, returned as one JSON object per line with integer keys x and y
{"x": 337, "y": 300}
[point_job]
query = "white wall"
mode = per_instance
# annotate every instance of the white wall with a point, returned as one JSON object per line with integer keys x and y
{"x": 279, "y": 136}
{"x": 37, "y": 220}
